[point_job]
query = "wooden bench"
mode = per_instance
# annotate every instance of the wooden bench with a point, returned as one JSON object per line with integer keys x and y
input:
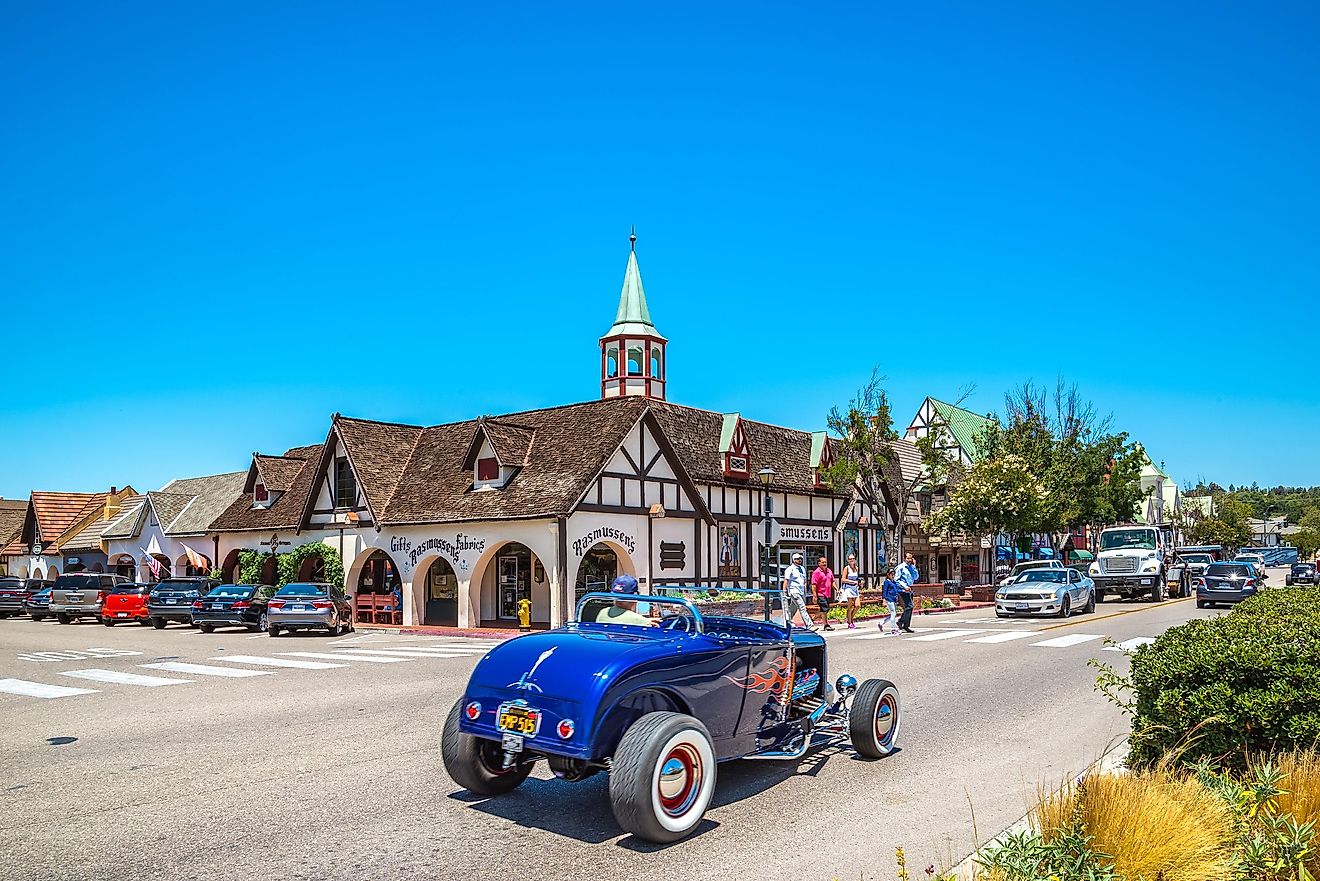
{"x": 376, "y": 608}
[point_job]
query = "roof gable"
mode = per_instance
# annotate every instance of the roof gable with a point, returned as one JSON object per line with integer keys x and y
{"x": 964, "y": 425}
{"x": 285, "y": 512}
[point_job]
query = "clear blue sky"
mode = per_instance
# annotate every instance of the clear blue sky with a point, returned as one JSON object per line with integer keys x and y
{"x": 221, "y": 223}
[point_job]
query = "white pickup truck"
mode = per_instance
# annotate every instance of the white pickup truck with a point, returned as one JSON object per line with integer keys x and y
{"x": 1130, "y": 563}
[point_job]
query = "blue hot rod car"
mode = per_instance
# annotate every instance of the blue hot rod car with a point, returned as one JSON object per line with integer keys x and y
{"x": 657, "y": 689}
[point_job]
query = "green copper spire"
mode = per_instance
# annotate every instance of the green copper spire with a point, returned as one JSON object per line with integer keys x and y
{"x": 633, "y": 317}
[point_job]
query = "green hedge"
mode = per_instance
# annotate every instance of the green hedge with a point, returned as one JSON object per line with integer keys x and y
{"x": 1226, "y": 687}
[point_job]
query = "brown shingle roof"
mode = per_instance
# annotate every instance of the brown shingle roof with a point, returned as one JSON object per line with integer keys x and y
{"x": 167, "y": 505}
{"x": 208, "y": 497}
{"x": 512, "y": 442}
{"x": 286, "y": 511}
{"x": 379, "y": 452}
{"x": 568, "y": 446}
{"x": 129, "y": 521}
{"x": 278, "y": 472}
{"x": 12, "y": 513}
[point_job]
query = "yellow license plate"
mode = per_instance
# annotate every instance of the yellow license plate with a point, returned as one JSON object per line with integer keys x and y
{"x": 518, "y": 719}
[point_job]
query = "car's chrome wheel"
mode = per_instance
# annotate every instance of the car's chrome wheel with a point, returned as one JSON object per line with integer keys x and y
{"x": 263, "y": 623}
{"x": 1065, "y": 608}
{"x": 874, "y": 719}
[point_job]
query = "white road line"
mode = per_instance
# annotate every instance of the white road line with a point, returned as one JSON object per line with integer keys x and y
{"x": 38, "y": 689}
{"x": 278, "y": 662}
{"x": 942, "y": 634}
{"x": 343, "y": 656}
{"x": 1063, "y": 642}
{"x": 117, "y": 677}
{"x": 402, "y": 653}
{"x": 1007, "y": 636}
{"x": 1129, "y": 645}
{"x": 205, "y": 669}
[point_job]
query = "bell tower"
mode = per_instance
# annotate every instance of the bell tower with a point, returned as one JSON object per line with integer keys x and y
{"x": 632, "y": 352}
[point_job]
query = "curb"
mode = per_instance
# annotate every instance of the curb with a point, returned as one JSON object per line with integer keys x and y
{"x": 440, "y": 631}
{"x": 1110, "y": 763}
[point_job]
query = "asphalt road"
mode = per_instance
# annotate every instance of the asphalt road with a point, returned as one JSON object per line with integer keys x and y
{"x": 335, "y": 772}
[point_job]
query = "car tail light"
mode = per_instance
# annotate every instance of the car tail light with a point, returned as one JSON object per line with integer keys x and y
{"x": 1198, "y": 582}
{"x": 473, "y": 710}
{"x": 1251, "y": 582}
{"x": 100, "y": 596}
{"x": 322, "y": 604}
{"x": 240, "y": 604}
{"x": 197, "y": 604}
{"x": 565, "y": 728}
{"x": 275, "y": 604}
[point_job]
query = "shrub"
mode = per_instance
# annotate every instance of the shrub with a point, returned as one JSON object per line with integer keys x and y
{"x": 1225, "y": 688}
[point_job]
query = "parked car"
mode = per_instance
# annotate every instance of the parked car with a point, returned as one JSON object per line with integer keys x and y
{"x": 15, "y": 593}
{"x": 125, "y": 604}
{"x": 1226, "y": 583}
{"x": 1301, "y": 573}
{"x": 1045, "y": 591}
{"x": 657, "y": 700}
{"x": 233, "y": 605}
{"x": 171, "y": 599}
{"x": 305, "y": 605}
{"x": 79, "y": 595}
{"x": 1026, "y": 567}
{"x": 1196, "y": 562}
{"x": 38, "y": 605}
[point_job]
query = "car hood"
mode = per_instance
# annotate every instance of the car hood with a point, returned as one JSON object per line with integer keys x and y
{"x": 568, "y": 662}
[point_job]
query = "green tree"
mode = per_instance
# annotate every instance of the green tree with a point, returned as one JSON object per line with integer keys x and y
{"x": 1230, "y": 526}
{"x": 864, "y": 457}
{"x": 1000, "y": 494}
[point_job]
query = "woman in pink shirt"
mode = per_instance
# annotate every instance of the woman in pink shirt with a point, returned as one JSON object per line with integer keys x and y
{"x": 822, "y": 582}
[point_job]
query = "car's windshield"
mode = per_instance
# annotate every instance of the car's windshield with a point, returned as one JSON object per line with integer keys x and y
{"x": 230, "y": 590}
{"x": 1197, "y": 558}
{"x": 129, "y": 588}
{"x": 1058, "y": 576}
{"x": 1025, "y": 567}
{"x": 1228, "y": 570}
{"x": 65, "y": 582}
{"x": 1116, "y": 539}
{"x": 301, "y": 590}
{"x": 178, "y": 584}
{"x": 1301, "y": 567}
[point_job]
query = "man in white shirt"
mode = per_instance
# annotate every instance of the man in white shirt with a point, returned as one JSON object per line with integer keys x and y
{"x": 795, "y": 587}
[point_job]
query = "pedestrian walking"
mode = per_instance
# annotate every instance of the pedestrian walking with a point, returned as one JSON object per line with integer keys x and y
{"x": 906, "y": 576}
{"x": 822, "y": 582}
{"x": 795, "y": 588}
{"x": 850, "y": 590}
{"x": 889, "y": 592}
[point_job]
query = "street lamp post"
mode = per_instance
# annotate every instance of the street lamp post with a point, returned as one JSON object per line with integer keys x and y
{"x": 767, "y": 476}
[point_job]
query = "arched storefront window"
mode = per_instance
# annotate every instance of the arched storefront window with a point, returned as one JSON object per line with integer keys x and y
{"x": 599, "y": 568}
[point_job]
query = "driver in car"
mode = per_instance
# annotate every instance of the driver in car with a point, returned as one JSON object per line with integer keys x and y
{"x": 624, "y": 611}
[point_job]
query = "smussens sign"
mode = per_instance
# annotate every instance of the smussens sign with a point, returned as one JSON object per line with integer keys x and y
{"x": 583, "y": 544}
{"x": 451, "y": 549}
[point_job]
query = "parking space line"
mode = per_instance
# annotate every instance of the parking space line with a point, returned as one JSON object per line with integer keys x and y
{"x": 40, "y": 689}
{"x": 278, "y": 662}
{"x": 205, "y": 669}
{"x": 1006, "y": 636}
{"x": 1071, "y": 639}
{"x": 404, "y": 653}
{"x": 118, "y": 677}
{"x": 345, "y": 656}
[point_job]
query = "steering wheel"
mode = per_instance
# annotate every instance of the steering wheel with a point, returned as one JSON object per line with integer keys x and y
{"x": 677, "y": 622}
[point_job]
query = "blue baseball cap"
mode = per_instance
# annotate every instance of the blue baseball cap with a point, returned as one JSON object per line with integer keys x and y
{"x": 624, "y": 584}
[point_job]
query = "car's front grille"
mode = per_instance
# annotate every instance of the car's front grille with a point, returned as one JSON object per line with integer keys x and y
{"x": 1120, "y": 564}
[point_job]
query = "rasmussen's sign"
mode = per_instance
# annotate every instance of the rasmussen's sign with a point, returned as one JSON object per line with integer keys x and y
{"x": 788, "y": 532}
{"x": 451, "y": 549}
{"x": 585, "y": 543}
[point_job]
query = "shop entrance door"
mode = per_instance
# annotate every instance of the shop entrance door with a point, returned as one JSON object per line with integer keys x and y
{"x": 511, "y": 572}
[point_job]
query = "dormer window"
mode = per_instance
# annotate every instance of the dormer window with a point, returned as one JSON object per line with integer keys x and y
{"x": 260, "y": 496}
{"x": 736, "y": 454}
{"x": 488, "y": 469}
{"x": 345, "y": 484}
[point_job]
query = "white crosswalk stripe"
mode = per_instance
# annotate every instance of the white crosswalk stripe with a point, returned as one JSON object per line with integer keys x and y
{"x": 40, "y": 689}
{"x": 404, "y": 653}
{"x": 345, "y": 656}
{"x": 259, "y": 661}
{"x": 936, "y": 635}
{"x": 119, "y": 677}
{"x": 205, "y": 670}
{"x": 1129, "y": 645}
{"x": 1063, "y": 642}
{"x": 1008, "y": 636}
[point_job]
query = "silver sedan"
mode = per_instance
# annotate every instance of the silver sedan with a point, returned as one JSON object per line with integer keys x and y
{"x": 1046, "y": 592}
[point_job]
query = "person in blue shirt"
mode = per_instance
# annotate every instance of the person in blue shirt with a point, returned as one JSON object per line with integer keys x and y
{"x": 906, "y": 575}
{"x": 889, "y": 593}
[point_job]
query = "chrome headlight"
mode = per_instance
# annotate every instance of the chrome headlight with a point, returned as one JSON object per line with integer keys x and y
{"x": 845, "y": 684}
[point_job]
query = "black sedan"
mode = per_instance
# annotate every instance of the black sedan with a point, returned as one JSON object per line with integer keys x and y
{"x": 1226, "y": 583}
{"x": 233, "y": 605}
{"x": 1302, "y": 573}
